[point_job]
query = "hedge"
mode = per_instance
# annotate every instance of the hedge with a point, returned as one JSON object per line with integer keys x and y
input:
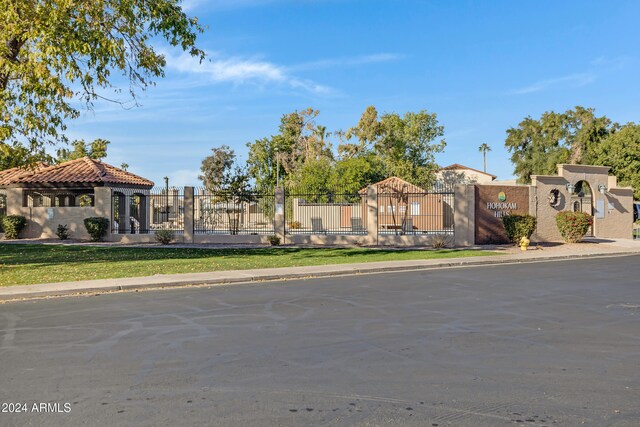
{"x": 519, "y": 226}
{"x": 96, "y": 227}
{"x": 13, "y": 225}
{"x": 573, "y": 225}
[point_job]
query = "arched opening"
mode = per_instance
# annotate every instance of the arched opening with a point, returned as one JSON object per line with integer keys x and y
{"x": 582, "y": 201}
{"x": 138, "y": 213}
{"x": 118, "y": 215}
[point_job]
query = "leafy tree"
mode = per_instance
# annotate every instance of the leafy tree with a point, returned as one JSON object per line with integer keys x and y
{"x": 404, "y": 144}
{"x": 228, "y": 183}
{"x": 483, "y": 149}
{"x": 355, "y": 173}
{"x": 95, "y": 150}
{"x": 537, "y": 146}
{"x": 280, "y": 156}
{"x": 216, "y": 167}
{"x": 621, "y": 151}
{"x": 55, "y": 55}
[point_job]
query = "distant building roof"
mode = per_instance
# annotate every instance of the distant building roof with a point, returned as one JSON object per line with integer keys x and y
{"x": 83, "y": 170}
{"x": 396, "y": 184}
{"x": 457, "y": 166}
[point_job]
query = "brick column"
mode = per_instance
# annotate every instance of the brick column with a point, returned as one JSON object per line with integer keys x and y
{"x": 372, "y": 215}
{"x": 279, "y": 217}
{"x": 188, "y": 214}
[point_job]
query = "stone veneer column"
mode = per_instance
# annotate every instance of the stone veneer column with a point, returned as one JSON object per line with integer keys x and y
{"x": 372, "y": 215}
{"x": 279, "y": 217}
{"x": 188, "y": 215}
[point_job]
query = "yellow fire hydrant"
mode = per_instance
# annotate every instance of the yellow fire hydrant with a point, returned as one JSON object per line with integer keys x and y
{"x": 524, "y": 243}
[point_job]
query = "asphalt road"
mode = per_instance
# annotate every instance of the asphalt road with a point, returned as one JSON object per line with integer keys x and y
{"x": 540, "y": 344}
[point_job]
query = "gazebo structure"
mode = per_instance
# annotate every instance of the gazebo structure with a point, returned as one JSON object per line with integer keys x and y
{"x": 68, "y": 193}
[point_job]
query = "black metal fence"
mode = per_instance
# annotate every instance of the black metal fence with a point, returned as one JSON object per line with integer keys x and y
{"x": 415, "y": 213}
{"x": 223, "y": 212}
{"x": 326, "y": 211}
{"x": 144, "y": 211}
{"x": 166, "y": 209}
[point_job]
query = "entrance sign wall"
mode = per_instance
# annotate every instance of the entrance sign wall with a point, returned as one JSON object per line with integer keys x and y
{"x": 479, "y": 208}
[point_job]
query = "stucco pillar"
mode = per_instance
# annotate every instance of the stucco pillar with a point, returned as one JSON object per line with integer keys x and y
{"x": 188, "y": 214}
{"x": 279, "y": 217}
{"x": 102, "y": 206}
{"x": 14, "y": 201}
{"x": 464, "y": 214}
{"x": 372, "y": 215}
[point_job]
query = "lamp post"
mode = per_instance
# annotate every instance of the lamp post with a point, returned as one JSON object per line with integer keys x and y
{"x": 166, "y": 204}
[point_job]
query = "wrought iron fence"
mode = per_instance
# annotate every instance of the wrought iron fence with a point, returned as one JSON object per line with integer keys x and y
{"x": 166, "y": 208}
{"x": 144, "y": 211}
{"x": 223, "y": 212}
{"x": 429, "y": 212}
{"x": 326, "y": 211}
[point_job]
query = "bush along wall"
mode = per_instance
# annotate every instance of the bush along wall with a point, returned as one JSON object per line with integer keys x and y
{"x": 519, "y": 226}
{"x": 13, "y": 225}
{"x": 573, "y": 226}
{"x": 96, "y": 227}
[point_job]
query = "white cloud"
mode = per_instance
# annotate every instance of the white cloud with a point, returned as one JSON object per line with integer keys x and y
{"x": 239, "y": 70}
{"x": 617, "y": 62}
{"x": 573, "y": 81}
{"x": 347, "y": 61}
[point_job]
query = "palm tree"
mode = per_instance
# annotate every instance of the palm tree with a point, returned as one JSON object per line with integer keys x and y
{"x": 483, "y": 149}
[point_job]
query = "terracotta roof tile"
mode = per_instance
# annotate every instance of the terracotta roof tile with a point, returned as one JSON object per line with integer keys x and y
{"x": 83, "y": 170}
{"x": 7, "y": 176}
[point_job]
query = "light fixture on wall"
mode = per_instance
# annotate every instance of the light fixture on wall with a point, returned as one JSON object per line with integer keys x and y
{"x": 570, "y": 187}
{"x": 602, "y": 189}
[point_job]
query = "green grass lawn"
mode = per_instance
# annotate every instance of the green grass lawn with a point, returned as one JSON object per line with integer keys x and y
{"x": 29, "y": 264}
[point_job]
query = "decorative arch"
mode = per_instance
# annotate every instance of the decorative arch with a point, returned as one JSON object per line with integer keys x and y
{"x": 582, "y": 200}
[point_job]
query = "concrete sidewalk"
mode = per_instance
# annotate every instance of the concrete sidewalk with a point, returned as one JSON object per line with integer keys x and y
{"x": 589, "y": 248}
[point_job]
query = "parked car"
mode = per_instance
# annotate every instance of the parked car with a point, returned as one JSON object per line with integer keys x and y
{"x": 636, "y": 211}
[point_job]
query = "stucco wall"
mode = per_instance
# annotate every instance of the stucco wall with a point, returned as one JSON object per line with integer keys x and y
{"x": 42, "y": 222}
{"x": 617, "y": 221}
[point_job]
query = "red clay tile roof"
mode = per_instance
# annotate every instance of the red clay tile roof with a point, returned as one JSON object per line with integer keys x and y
{"x": 457, "y": 166}
{"x": 7, "y": 176}
{"x": 84, "y": 170}
{"x": 395, "y": 183}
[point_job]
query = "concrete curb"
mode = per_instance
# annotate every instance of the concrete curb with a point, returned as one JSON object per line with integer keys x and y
{"x": 22, "y": 292}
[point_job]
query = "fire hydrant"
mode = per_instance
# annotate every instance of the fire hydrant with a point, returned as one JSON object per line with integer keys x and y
{"x": 524, "y": 243}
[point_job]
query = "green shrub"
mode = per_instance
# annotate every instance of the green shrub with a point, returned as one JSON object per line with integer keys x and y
{"x": 96, "y": 227}
{"x": 62, "y": 232}
{"x": 164, "y": 236}
{"x": 274, "y": 240}
{"x": 519, "y": 226}
{"x": 13, "y": 225}
{"x": 573, "y": 225}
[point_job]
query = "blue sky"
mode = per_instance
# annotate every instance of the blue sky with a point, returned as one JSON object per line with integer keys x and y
{"x": 482, "y": 66}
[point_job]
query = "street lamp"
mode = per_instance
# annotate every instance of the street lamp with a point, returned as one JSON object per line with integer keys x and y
{"x": 570, "y": 187}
